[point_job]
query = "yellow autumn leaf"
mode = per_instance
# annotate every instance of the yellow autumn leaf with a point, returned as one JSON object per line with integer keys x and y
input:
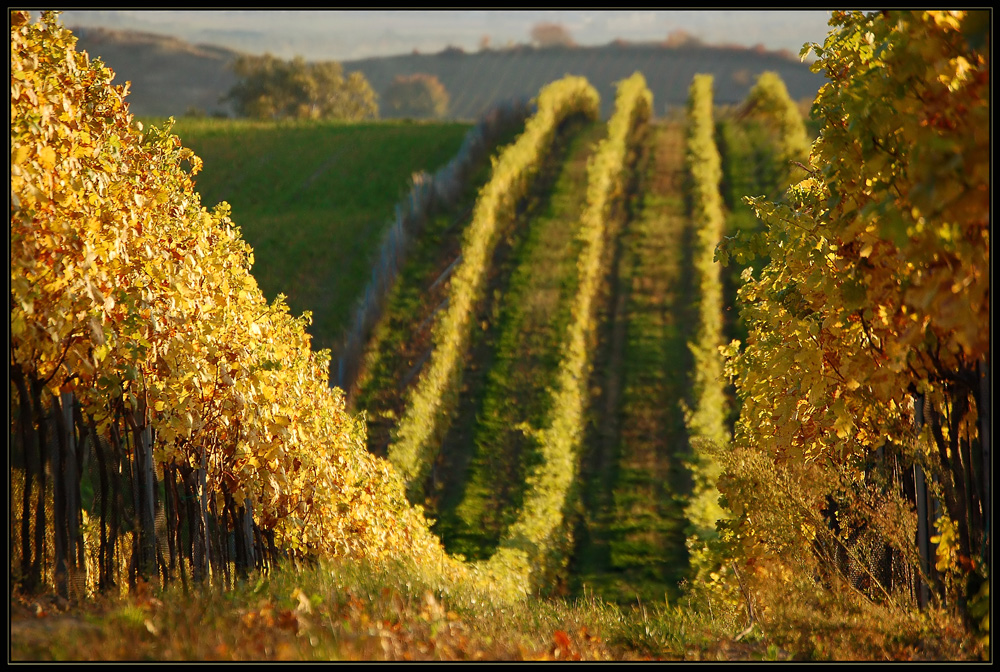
{"x": 19, "y": 156}
{"x": 267, "y": 392}
{"x": 47, "y": 157}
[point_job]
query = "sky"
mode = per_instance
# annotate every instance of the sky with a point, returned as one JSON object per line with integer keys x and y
{"x": 355, "y": 34}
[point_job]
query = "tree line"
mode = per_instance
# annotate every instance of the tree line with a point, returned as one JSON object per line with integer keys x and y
{"x": 272, "y": 88}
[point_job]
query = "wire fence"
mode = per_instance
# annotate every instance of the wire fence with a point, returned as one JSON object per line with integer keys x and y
{"x": 428, "y": 194}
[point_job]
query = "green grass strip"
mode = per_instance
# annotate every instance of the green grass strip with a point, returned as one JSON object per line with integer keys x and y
{"x": 631, "y": 543}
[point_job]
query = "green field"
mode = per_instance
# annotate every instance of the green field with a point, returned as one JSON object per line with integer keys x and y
{"x": 313, "y": 199}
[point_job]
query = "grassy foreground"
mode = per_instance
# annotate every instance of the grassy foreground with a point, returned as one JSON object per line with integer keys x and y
{"x": 340, "y": 611}
{"x": 346, "y": 611}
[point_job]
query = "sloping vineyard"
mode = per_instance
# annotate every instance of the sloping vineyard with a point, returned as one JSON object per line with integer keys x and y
{"x": 544, "y": 400}
{"x": 759, "y": 149}
{"x": 430, "y": 404}
{"x": 531, "y": 313}
{"x": 537, "y": 446}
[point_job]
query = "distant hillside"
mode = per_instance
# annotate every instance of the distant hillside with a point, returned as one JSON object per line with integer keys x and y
{"x": 475, "y": 80}
{"x": 170, "y": 76}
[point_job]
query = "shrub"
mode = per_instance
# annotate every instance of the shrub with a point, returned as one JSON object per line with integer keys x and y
{"x": 420, "y": 96}
{"x": 270, "y": 88}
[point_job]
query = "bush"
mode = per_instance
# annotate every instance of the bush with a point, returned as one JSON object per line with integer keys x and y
{"x": 420, "y": 96}
{"x": 270, "y": 88}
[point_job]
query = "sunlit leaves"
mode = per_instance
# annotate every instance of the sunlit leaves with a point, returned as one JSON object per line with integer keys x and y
{"x": 769, "y": 99}
{"x": 878, "y": 285}
{"x": 707, "y": 418}
{"x": 124, "y": 287}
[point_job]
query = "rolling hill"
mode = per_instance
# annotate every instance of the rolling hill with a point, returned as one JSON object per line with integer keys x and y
{"x": 173, "y": 77}
{"x": 169, "y": 77}
{"x": 475, "y": 80}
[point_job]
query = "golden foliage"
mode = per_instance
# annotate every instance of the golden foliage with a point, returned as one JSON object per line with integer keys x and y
{"x": 127, "y": 291}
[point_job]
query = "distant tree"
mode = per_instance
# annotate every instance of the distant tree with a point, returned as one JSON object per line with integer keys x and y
{"x": 418, "y": 96}
{"x": 271, "y": 88}
{"x": 484, "y": 43}
{"x": 681, "y": 38}
{"x": 551, "y": 35}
